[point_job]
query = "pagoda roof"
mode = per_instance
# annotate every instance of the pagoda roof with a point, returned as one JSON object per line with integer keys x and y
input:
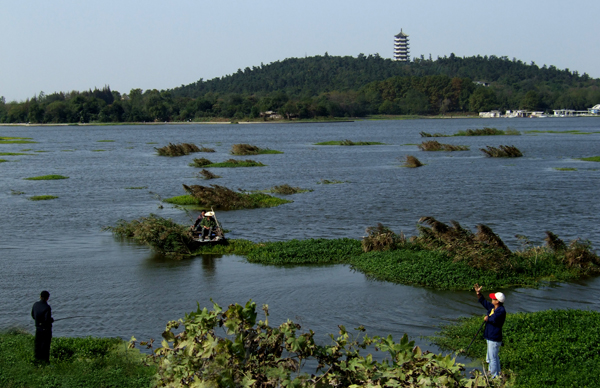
{"x": 401, "y": 35}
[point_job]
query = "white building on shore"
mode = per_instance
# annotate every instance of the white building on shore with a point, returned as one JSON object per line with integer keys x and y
{"x": 401, "y": 49}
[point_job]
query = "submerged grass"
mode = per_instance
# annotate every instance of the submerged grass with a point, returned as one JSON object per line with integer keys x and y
{"x": 349, "y": 143}
{"x": 74, "y": 362}
{"x": 247, "y": 149}
{"x": 17, "y": 141}
{"x": 554, "y": 348}
{"x": 433, "y": 145}
{"x": 591, "y": 159}
{"x": 42, "y": 197}
{"x": 12, "y": 154}
{"x": 3, "y": 160}
{"x": 46, "y": 178}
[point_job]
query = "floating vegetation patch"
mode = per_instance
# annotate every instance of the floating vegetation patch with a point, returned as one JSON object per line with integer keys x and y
{"x": 46, "y": 178}
{"x": 566, "y": 338}
{"x": 247, "y": 149}
{"x": 502, "y": 151}
{"x": 205, "y": 174}
{"x": 237, "y": 163}
{"x": 8, "y": 141}
{"x": 433, "y": 145}
{"x": 286, "y": 189}
{"x": 98, "y": 150}
{"x": 349, "y": 143}
{"x": 205, "y": 149}
{"x": 3, "y": 160}
{"x": 425, "y": 134}
{"x": 312, "y": 251}
{"x": 12, "y": 154}
{"x": 15, "y": 192}
{"x": 571, "y": 132}
{"x": 42, "y": 197}
{"x": 590, "y": 159}
{"x": 487, "y": 131}
{"x": 565, "y": 169}
{"x": 177, "y": 149}
{"x": 136, "y": 188}
{"x": 41, "y": 151}
{"x": 152, "y": 142}
{"x": 330, "y": 182}
{"x": 14, "y": 138}
{"x": 381, "y": 238}
{"x": 219, "y": 197}
{"x": 105, "y": 141}
{"x": 411, "y": 162}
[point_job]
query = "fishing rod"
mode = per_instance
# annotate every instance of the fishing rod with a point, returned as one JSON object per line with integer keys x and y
{"x": 77, "y": 316}
{"x": 480, "y": 327}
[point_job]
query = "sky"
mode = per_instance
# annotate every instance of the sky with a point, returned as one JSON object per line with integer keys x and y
{"x": 65, "y": 45}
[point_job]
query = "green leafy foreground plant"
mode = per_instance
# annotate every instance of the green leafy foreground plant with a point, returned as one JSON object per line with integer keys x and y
{"x": 554, "y": 348}
{"x": 232, "y": 349}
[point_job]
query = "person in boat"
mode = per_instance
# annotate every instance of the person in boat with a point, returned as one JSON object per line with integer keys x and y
{"x": 208, "y": 225}
{"x": 42, "y": 314}
{"x": 196, "y": 226}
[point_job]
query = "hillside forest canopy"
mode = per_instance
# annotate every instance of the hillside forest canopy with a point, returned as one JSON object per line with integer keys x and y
{"x": 327, "y": 86}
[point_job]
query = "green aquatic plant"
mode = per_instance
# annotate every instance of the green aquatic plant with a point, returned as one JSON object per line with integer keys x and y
{"x": 553, "y": 348}
{"x": 502, "y": 151}
{"x": 349, "y": 143}
{"x": 286, "y": 189}
{"x": 12, "y": 154}
{"x": 177, "y": 149}
{"x": 205, "y": 149}
{"x": 74, "y": 362}
{"x": 425, "y": 134}
{"x": 3, "y": 160}
{"x": 433, "y": 145}
{"x": 247, "y": 149}
{"x": 590, "y": 159}
{"x": 231, "y": 348}
{"x": 42, "y": 197}
{"x": 237, "y": 163}
{"x": 4, "y": 141}
{"x": 312, "y": 251}
{"x": 98, "y": 150}
{"x": 486, "y": 131}
{"x": 200, "y": 162}
{"x": 565, "y": 169}
{"x": 46, "y": 178}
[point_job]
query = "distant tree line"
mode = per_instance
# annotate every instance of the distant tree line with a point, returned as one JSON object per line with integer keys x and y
{"x": 327, "y": 86}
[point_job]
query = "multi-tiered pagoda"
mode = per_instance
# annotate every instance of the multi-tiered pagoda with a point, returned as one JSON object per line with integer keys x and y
{"x": 401, "y": 47}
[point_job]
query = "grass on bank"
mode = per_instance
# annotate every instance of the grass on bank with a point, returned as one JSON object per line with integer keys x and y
{"x": 247, "y": 149}
{"x": 74, "y": 362}
{"x": 554, "y": 348}
{"x": 46, "y": 177}
{"x": 231, "y": 163}
{"x": 591, "y": 159}
{"x": 222, "y": 198}
{"x": 42, "y": 197}
{"x": 349, "y": 143}
{"x": 442, "y": 256}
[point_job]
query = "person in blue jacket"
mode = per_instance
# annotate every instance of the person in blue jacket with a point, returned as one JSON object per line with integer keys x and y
{"x": 495, "y": 317}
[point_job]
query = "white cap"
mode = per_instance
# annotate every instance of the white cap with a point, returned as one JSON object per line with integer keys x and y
{"x": 498, "y": 296}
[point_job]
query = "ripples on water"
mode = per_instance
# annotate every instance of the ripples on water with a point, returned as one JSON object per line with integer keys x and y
{"x": 123, "y": 289}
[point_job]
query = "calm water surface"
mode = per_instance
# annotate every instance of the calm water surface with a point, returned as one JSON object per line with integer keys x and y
{"x": 123, "y": 289}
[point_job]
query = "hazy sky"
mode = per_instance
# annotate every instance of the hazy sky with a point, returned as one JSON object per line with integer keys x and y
{"x": 65, "y": 45}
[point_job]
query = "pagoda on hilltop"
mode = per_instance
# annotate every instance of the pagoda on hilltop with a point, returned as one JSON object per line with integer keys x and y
{"x": 401, "y": 47}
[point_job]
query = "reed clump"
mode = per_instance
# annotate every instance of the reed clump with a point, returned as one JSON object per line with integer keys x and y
{"x": 237, "y": 163}
{"x": 412, "y": 162}
{"x": 219, "y": 197}
{"x": 205, "y": 174}
{"x": 485, "y": 131}
{"x": 502, "y": 151}
{"x": 348, "y": 142}
{"x": 247, "y": 149}
{"x": 200, "y": 162}
{"x": 177, "y": 149}
{"x": 286, "y": 189}
{"x": 206, "y": 149}
{"x": 381, "y": 238}
{"x": 425, "y": 134}
{"x": 434, "y": 145}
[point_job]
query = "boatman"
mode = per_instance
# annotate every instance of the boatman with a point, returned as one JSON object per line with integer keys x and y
{"x": 42, "y": 314}
{"x": 207, "y": 224}
{"x": 494, "y": 320}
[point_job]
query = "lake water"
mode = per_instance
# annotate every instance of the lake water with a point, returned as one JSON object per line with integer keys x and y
{"x": 122, "y": 289}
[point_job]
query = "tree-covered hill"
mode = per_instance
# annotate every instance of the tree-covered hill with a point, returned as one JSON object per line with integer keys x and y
{"x": 328, "y": 86}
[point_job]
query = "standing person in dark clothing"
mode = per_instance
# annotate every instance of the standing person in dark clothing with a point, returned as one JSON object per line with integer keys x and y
{"x": 42, "y": 314}
{"x": 495, "y": 317}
